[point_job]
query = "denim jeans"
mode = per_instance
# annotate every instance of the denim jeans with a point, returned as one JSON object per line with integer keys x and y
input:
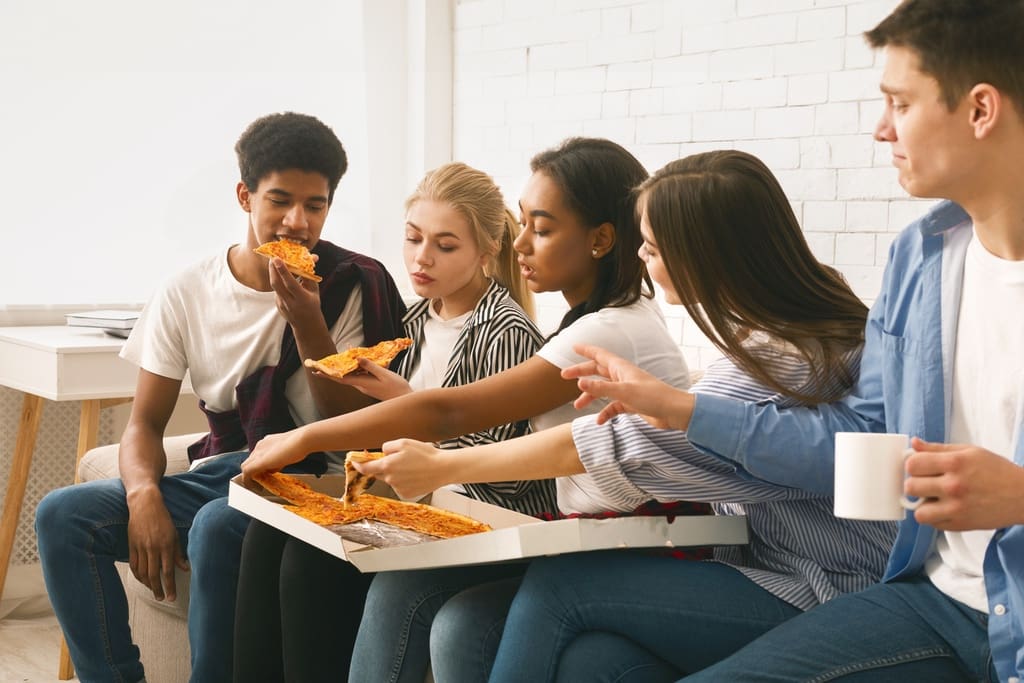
{"x": 450, "y": 618}
{"x": 83, "y": 529}
{"x": 625, "y": 615}
{"x": 891, "y": 632}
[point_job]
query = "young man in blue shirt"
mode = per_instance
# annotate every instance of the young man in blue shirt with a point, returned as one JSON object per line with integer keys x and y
{"x": 941, "y": 362}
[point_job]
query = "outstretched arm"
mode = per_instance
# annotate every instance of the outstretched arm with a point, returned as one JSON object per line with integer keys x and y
{"x": 530, "y": 388}
{"x": 414, "y": 468}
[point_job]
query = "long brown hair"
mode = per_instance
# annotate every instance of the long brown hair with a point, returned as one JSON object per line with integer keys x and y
{"x": 739, "y": 262}
{"x": 475, "y": 195}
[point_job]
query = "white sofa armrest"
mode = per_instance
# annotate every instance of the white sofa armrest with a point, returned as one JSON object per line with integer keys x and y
{"x": 101, "y": 462}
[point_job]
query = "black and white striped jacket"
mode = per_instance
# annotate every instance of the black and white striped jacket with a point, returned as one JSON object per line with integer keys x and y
{"x": 499, "y": 335}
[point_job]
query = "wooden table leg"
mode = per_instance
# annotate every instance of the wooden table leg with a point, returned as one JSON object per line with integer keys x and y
{"x": 24, "y": 444}
{"x": 88, "y": 433}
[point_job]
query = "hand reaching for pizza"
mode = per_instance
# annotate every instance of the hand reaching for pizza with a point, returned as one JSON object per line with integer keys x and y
{"x": 274, "y": 452}
{"x": 375, "y": 381}
{"x": 412, "y": 468}
{"x": 628, "y": 390}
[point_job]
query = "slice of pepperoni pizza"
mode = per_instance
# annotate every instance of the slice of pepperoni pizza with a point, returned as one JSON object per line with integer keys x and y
{"x": 296, "y": 257}
{"x": 341, "y": 364}
{"x": 355, "y": 481}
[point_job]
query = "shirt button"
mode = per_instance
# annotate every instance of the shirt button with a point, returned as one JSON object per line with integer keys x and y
{"x": 999, "y": 610}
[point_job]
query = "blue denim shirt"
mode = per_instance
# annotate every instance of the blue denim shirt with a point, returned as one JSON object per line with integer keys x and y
{"x": 903, "y": 387}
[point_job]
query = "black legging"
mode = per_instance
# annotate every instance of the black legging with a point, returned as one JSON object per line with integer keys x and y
{"x": 298, "y": 610}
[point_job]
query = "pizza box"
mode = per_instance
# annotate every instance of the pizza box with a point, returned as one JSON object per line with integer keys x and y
{"x": 515, "y": 536}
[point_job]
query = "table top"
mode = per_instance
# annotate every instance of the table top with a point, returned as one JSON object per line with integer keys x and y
{"x": 63, "y": 363}
{"x": 61, "y": 339}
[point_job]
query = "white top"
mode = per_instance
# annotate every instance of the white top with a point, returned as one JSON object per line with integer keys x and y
{"x": 637, "y": 333}
{"x": 206, "y": 322}
{"x": 986, "y": 401}
{"x": 439, "y": 337}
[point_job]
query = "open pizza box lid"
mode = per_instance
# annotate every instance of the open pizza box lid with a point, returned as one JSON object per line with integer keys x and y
{"x": 515, "y": 536}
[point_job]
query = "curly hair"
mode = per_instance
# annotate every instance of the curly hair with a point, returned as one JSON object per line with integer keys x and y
{"x": 279, "y": 142}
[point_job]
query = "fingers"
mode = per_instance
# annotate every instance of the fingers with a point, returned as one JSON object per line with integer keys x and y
{"x": 371, "y": 368}
{"x": 922, "y": 446}
{"x": 585, "y": 369}
{"x": 167, "y": 577}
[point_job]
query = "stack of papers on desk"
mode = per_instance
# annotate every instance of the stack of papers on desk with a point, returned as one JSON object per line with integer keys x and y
{"x": 116, "y": 322}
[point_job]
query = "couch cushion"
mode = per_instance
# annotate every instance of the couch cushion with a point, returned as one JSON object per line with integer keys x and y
{"x": 101, "y": 462}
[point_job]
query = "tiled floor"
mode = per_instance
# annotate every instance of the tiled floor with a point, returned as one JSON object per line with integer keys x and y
{"x": 29, "y": 650}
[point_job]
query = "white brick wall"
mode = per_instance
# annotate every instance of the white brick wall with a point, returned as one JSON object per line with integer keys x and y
{"x": 789, "y": 80}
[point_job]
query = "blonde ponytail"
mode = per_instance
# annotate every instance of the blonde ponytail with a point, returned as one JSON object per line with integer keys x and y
{"x": 505, "y": 266}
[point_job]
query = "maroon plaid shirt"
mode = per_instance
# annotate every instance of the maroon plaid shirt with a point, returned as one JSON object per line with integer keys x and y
{"x": 262, "y": 406}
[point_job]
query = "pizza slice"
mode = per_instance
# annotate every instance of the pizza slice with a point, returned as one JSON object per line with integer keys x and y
{"x": 355, "y": 481}
{"x": 426, "y": 519}
{"x": 289, "y": 488}
{"x": 340, "y": 364}
{"x": 296, "y": 257}
{"x": 322, "y": 509}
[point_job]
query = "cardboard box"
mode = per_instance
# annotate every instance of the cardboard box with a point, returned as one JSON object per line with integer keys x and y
{"x": 515, "y": 536}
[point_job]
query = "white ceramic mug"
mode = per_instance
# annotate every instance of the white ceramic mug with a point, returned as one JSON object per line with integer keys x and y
{"x": 869, "y": 474}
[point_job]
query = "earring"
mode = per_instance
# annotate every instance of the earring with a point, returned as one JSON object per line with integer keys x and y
{"x": 593, "y": 252}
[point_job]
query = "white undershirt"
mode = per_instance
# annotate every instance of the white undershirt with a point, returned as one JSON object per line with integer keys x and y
{"x": 986, "y": 401}
{"x": 439, "y": 337}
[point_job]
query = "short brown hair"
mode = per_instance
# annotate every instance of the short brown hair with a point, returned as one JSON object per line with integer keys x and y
{"x": 961, "y": 43}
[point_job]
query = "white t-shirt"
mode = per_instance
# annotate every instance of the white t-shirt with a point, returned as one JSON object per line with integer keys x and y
{"x": 439, "y": 337}
{"x": 637, "y": 333}
{"x": 207, "y": 323}
{"x": 986, "y": 401}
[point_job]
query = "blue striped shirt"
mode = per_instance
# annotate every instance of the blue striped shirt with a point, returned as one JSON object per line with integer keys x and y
{"x": 798, "y": 551}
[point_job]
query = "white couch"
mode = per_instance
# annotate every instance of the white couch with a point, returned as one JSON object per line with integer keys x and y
{"x": 160, "y": 629}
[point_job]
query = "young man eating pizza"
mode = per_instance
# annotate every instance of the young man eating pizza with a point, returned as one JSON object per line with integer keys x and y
{"x": 240, "y": 325}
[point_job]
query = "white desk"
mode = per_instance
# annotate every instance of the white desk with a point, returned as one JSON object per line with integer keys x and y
{"x": 58, "y": 363}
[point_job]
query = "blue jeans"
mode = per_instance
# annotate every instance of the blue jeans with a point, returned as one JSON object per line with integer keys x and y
{"x": 630, "y": 616}
{"x": 450, "y": 618}
{"x": 891, "y": 632}
{"x": 83, "y": 529}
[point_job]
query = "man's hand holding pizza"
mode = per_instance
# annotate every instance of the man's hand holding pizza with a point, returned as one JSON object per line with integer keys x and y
{"x": 298, "y": 299}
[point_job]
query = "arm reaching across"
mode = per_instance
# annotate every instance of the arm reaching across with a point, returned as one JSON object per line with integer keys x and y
{"x": 628, "y": 389}
{"x": 414, "y": 468}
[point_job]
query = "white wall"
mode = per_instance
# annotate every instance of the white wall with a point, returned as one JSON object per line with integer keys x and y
{"x": 118, "y": 124}
{"x": 791, "y": 81}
